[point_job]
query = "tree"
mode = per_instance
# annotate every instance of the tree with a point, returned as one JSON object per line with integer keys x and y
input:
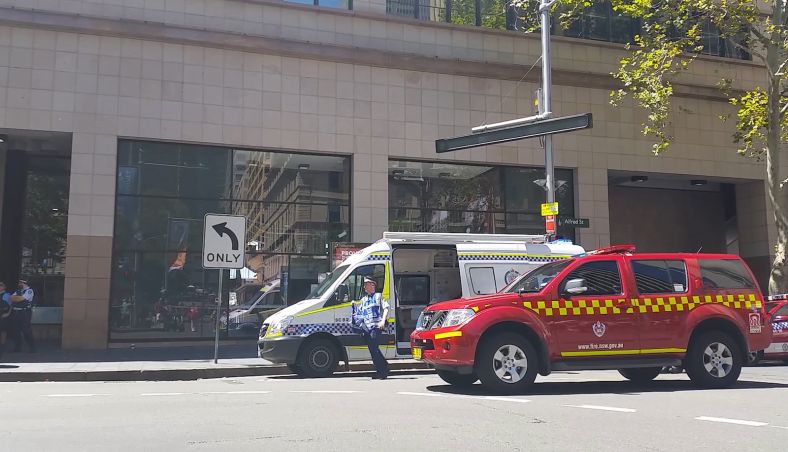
{"x": 671, "y": 37}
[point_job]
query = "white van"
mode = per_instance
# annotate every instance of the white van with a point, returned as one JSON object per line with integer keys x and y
{"x": 412, "y": 270}
{"x": 246, "y": 320}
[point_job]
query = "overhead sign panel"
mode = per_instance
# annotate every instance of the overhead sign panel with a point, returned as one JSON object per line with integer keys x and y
{"x": 224, "y": 241}
{"x": 534, "y": 129}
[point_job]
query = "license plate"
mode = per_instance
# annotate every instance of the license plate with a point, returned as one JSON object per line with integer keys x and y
{"x": 416, "y": 353}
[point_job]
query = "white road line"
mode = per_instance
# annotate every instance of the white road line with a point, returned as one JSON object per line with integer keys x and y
{"x": 328, "y": 392}
{"x": 731, "y": 421}
{"x": 423, "y": 394}
{"x": 778, "y": 426}
{"x": 154, "y": 394}
{"x": 236, "y": 392}
{"x": 504, "y": 399}
{"x": 75, "y": 395}
{"x": 603, "y": 408}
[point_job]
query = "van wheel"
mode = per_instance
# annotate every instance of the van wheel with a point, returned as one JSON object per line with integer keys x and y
{"x": 457, "y": 379}
{"x": 714, "y": 360}
{"x": 295, "y": 369}
{"x": 318, "y": 358}
{"x": 640, "y": 375}
{"x": 507, "y": 363}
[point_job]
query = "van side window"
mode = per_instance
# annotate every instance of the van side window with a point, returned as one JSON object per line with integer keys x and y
{"x": 660, "y": 276}
{"x": 355, "y": 282}
{"x": 724, "y": 274}
{"x": 482, "y": 280}
{"x": 602, "y": 277}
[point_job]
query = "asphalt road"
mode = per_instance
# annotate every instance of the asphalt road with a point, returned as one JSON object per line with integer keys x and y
{"x": 584, "y": 411}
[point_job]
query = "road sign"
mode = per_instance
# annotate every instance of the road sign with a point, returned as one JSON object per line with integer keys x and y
{"x": 570, "y": 222}
{"x": 224, "y": 240}
{"x": 534, "y": 129}
{"x": 549, "y": 223}
{"x": 549, "y": 208}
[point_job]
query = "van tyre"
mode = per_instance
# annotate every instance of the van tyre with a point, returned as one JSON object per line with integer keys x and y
{"x": 457, "y": 379}
{"x": 507, "y": 363}
{"x": 641, "y": 374}
{"x": 318, "y": 358}
{"x": 714, "y": 360}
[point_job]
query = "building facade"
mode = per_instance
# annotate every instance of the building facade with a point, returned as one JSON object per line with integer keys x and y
{"x": 123, "y": 122}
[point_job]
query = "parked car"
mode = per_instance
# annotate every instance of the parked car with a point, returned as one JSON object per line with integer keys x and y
{"x": 777, "y": 308}
{"x": 247, "y": 319}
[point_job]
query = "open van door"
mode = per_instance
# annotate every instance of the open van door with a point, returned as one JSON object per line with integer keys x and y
{"x": 422, "y": 274}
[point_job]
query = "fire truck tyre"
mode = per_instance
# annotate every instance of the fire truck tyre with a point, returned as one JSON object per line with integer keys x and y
{"x": 318, "y": 358}
{"x": 457, "y": 379}
{"x": 295, "y": 369}
{"x": 714, "y": 360}
{"x": 507, "y": 363}
{"x": 640, "y": 375}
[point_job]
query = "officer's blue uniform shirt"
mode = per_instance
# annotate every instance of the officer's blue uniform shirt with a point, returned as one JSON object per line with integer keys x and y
{"x": 28, "y": 295}
{"x": 371, "y": 310}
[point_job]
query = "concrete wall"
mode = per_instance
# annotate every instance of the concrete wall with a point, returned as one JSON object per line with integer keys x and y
{"x": 309, "y": 79}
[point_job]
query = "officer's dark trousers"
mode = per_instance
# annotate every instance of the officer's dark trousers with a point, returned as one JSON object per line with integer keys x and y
{"x": 22, "y": 328}
{"x": 373, "y": 340}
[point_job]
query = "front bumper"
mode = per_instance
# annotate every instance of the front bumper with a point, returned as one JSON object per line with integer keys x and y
{"x": 445, "y": 347}
{"x": 281, "y": 350}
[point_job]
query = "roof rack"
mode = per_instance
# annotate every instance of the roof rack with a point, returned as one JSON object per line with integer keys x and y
{"x": 462, "y": 237}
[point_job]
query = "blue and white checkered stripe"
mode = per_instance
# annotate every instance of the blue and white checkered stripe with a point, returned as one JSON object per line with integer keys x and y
{"x": 337, "y": 329}
{"x": 779, "y": 326}
{"x": 379, "y": 257}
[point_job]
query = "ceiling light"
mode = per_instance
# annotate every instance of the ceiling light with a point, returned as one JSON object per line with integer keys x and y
{"x": 698, "y": 182}
{"x": 303, "y": 166}
{"x": 397, "y": 172}
{"x": 638, "y": 178}
{"x": 3, "y": 138}
{"x": 444, "y": 175}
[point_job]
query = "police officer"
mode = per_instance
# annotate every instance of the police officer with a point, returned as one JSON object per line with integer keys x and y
{"x": 5, "y": 316}
{"x": 22, "y": 302}
{"x": 371, "y": 315}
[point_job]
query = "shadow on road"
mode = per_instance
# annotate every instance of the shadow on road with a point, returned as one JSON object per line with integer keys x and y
{"x": 394, "y": 375}
{"x": 8, "y": 366}
{"x": 603, "y": 387}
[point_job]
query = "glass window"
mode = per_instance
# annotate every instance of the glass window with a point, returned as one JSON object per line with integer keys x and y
{"x": 602, "y": 23}
{"x": 601, "y": 277}
{"x": 659, "y": 276}
{"x": 724, "y": 274}
{"x": 536, "y": 279}
{"x": 296, "y": 205}
{"x": 413, "y": 290}
{"x": 355, "y": 282}
{"x": 482, "y": 280}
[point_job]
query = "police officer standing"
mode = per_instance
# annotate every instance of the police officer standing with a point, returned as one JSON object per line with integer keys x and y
{"x": 22, "y": 302}
{"x": 371, "y": 316}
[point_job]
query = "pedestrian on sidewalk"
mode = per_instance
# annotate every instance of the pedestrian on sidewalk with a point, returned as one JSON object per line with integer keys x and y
{"x": 5, "y": 316}
{"x": 371, "y": 317}
{"x": 22, "y": 302}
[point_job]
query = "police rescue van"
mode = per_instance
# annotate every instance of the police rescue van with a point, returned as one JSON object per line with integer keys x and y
{"x": 412, "y": 271}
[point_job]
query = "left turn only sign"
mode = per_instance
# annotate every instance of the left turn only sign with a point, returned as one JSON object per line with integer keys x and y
{"x": 224, "y": 241}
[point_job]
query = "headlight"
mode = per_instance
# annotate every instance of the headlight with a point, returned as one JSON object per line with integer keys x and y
{"x": 277, "y": 328}
{"x": 458, "y": 317}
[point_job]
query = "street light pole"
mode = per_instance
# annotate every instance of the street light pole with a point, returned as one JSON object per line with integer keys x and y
{"x": 546, "y": 107}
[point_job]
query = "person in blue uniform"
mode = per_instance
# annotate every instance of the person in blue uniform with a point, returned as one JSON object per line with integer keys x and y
{"x": 371, "y": 317}
{"x": 22, "y": 305}
{"x": 5, "y": 316}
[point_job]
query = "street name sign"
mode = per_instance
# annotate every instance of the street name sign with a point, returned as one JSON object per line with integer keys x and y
{"x": 534, "y": 129}
{"x": 224, "y": 241}
{"x": 569, "y": 222}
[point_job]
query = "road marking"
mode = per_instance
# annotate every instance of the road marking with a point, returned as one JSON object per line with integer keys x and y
{"x": 778, "y": 426}
{"x": 328, "y": 392}
{"x": 423, "y": 394}
{"x": 154, "y": 394}
{"x": 236, "y": 392}
{"x": 732, "y": 421}
{"x": 505, "y": 399}
{"x": 75, "y": 395}
{"x": 604, "y": 408}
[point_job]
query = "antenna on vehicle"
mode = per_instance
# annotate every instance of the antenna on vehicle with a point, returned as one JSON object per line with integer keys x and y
{"x": 696, "y": 252}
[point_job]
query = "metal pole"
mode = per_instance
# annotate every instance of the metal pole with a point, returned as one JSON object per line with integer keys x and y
{"x": 218, "y": 315}
{"x": 547, "y": 87}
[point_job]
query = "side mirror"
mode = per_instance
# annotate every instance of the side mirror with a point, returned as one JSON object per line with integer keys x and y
{"x": 341, "y": 293}
{"x": 576, "y": 286}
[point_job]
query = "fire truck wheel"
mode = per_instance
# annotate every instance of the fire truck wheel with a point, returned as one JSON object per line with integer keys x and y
{"x": 507, "y": 363}
{"x": 640, "y": 375}
{"x": 457, "y": 379}
{"x": 318, "y": 358}
{"x": 714, "y": 360}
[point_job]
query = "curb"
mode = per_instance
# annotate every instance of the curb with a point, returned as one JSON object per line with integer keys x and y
{"x": 184, "y": 374}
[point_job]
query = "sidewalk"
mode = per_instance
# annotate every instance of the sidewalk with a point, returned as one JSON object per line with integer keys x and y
{"x": 149, "y": 363}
